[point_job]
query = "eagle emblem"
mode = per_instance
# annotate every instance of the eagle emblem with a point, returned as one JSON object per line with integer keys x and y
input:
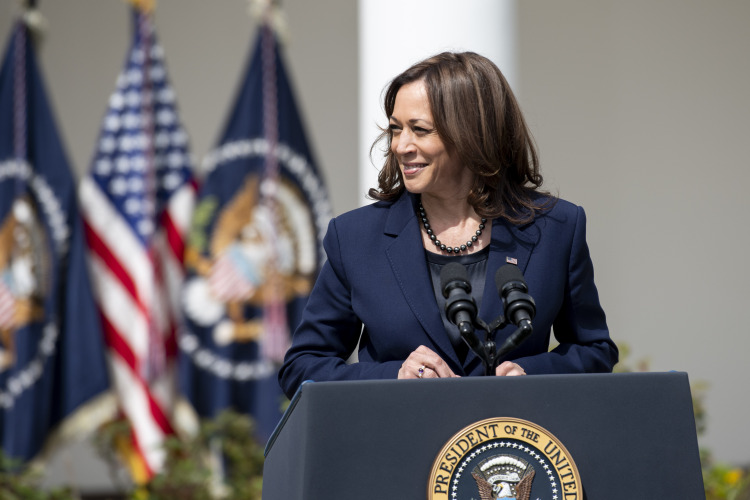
{"x": 24, "y": 274}
{"x": 503, "y": 477}
{"x": 252, "y": 255}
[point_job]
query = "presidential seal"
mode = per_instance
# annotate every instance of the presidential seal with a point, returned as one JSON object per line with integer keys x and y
{"x": 504, "y": 458}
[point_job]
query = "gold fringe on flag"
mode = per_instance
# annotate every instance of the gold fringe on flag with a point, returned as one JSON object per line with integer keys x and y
{"x": 145, "y": 6}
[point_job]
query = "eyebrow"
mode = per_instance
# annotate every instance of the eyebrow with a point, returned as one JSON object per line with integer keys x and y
{"x": 412, "y": 121}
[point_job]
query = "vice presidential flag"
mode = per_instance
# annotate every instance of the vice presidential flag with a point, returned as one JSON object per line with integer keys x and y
{"x": 254, "y": 248}
{"x": 137, "y": 201}
{"x": 51, "y": 350}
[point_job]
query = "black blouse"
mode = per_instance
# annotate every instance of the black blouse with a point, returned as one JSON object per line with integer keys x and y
{"x": 476, "y": 267}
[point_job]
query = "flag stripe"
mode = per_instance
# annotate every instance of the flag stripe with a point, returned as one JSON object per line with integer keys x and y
{"x": 117, "y": 343}
{"x": 102, "y": 251}
{"x": 117, "y": 236}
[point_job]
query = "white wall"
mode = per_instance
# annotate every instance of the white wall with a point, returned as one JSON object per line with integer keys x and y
{"x": 640, "y": 110}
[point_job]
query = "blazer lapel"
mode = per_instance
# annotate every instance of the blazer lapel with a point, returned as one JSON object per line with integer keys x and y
{"x": 508, "y": 244}
{"x": 407, "y": 260}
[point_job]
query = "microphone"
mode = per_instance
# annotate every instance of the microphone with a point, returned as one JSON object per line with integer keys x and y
{"x": 518, "y": 305}
{"x": 460, "y": 307}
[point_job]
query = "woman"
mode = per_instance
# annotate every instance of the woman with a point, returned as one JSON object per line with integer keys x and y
{"x": 460, "y": 184}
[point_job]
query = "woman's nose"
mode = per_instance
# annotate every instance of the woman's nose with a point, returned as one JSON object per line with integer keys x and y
{"x": 404, "y": 143}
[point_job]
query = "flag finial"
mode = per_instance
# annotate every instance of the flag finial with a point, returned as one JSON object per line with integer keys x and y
{"x": 145, "y": 6}
{"x": 269, "y": 12}
{"x": 32, "y": 18}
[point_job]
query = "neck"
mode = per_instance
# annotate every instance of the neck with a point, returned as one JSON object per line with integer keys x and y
{"x": 449, "y": 211}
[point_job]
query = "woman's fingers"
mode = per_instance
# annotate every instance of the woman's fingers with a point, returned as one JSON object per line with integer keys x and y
{"x": 425, "y": 363}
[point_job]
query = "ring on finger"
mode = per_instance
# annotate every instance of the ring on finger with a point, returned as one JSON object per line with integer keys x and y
{"x": 420, "y": 372}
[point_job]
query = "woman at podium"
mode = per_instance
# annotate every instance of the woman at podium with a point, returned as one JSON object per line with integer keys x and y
{"x": 460, "y": 184}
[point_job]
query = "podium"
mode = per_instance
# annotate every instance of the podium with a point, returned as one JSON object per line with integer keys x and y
{"x": 631, "y": 436}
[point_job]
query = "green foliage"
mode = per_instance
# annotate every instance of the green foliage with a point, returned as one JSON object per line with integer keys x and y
{"x": 19, "y": 482}
{"x": 222, "y": 461}
{"x": 202, "y": 216}
{"x": 722, "y": 482}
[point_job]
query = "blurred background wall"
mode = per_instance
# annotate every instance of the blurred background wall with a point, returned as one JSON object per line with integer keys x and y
{"x": 640, "y": 110}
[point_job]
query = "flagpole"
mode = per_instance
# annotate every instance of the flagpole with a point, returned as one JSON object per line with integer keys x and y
{"x": 275, "y": 340}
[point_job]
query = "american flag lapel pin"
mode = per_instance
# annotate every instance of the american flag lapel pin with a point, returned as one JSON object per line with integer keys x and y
{"x": 511, "y": 260}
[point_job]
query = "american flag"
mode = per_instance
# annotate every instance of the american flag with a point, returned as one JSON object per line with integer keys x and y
{"x": 137, "y": 202}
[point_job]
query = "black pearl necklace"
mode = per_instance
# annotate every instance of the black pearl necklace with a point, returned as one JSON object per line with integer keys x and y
{"x": 441, "y": 245}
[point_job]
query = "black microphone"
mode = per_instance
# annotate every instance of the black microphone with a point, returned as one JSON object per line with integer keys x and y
{"x": 518, "y": 305}
{"x": 511, "y": 285}
{"x": 460, "y": 307}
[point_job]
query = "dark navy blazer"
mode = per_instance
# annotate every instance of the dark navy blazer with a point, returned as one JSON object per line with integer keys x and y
{"x": 376, "y": 275}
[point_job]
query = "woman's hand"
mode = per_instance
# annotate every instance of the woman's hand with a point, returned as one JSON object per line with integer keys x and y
{"x": 424, "y": 363}
{"x": 509, "y": 369}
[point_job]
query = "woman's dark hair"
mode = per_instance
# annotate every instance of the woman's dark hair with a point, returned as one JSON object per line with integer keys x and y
{"x": 478, "y": 118}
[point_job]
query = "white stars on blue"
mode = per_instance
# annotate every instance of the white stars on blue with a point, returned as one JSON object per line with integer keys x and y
{"x": 142, "y": 156}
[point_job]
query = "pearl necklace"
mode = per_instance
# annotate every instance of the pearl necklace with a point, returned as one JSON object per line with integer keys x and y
{"x": 441, "y": 245}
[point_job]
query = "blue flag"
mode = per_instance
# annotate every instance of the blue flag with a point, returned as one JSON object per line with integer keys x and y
{"x": 254, "y": 249}
{"x": 51, "y": 346}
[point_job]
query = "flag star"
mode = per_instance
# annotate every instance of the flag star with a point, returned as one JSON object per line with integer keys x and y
{"x": 165, "y": 117}
{"x": 122, "y": 163}
{"x": 157, "y": 73}
{"x": 131, "y": 120}
{"x": 126, "y": 143}
{"x": 162, "y": 139}
{"x": 132, "y": 99}
{"x": 118, "y": 186}
{"x": 134, "y": 77}
{"x": 175, "y": 159}
{"x": 112, "y": 123}
{"x": 107, "y": 144}
{"x": 136, "y": 56}
{"x": 157, "y": 52}
{"x": 138, "y": 164}
{"x": 133, "y": 206}
{"x": 145, "y": 227}
{"x": 116, "y": 101}
{"x": 139, "y": 141}
{"x": 103, "y": 166}
{"x": 136, "y": 184}
{"x": 166, "y": 96}
{"x": 179, "y": 138}
{"x": 172, "y": 181}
